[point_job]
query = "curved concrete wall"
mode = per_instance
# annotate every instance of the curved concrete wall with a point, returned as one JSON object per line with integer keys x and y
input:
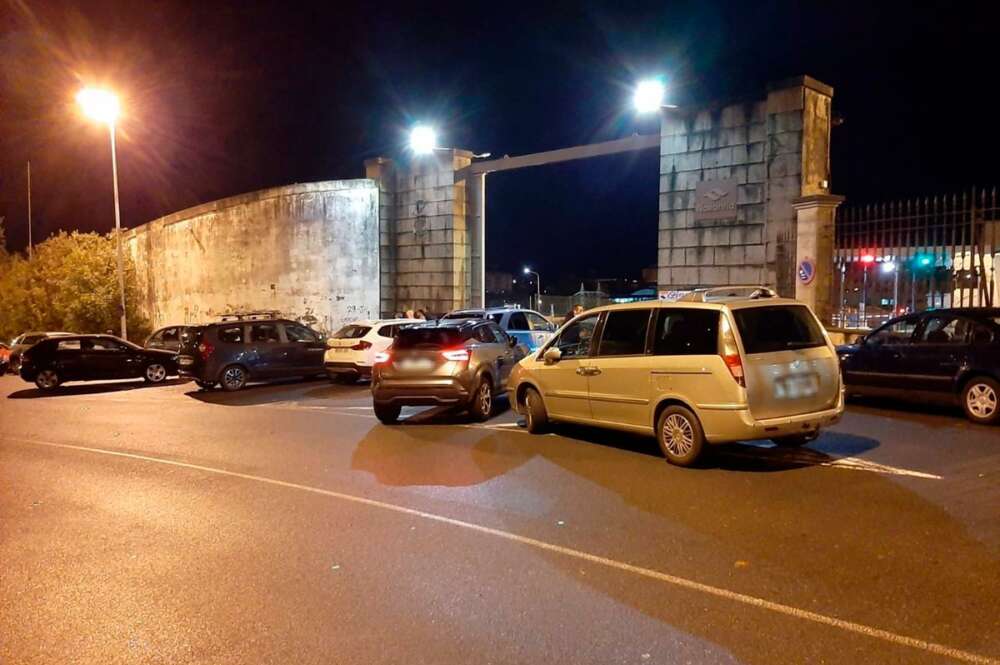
{"x": 310, "y": 251}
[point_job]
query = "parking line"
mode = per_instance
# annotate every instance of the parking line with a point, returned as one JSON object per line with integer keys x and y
{"x": 681, "y": 582}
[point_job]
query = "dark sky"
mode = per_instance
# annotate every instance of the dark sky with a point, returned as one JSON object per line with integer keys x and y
{"x": 228, "y": 97}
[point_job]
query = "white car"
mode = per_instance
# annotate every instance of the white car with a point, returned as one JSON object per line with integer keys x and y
{"x": 351, "y": 351}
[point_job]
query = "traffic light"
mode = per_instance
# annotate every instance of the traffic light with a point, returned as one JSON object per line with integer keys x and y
{"x": 923, "y": 260}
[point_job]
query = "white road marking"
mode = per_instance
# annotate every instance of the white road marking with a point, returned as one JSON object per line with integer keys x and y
{"x": 809, "y": 457}
{"x": 682, "y": 582}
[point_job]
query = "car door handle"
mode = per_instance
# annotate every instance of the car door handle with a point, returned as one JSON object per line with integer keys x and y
{"x": 587, "y": 371}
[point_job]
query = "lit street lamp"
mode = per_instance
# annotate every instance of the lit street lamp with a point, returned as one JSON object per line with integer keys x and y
{"x": 891, "y": 267}
{"x": 102, "y": 106}
{"x": 423, "y": 140}
{"x": 538, "y": 287}
{"x": 649, "y": 95}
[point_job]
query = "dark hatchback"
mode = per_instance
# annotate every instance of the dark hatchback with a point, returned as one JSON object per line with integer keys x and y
{"x": 233, "y": 353}
{"x": 944, "y": 355}
{"x": 465, "y": 363}
{"x": 56, "y": 360}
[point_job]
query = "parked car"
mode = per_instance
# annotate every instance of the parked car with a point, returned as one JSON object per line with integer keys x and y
{"x": 461, "y": 362}
{"x": 945, "y": 355}
{"x": 527, "y": 326}
{"x": 4, "y": 358}
{"x": 25, "y": 342}
{"x": 234, "y": 352}
{"x": 168, "y": 338}
{"x": 704, "y": 371}
{"x": 55, "y": 360}
{"x": 351, "y": 350}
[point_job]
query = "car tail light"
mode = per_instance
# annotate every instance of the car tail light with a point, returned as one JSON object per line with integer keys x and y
{"x": 456, "y": 355}
{"x": 205, "y": 350}
{"x": 381, "y": 357}
{"x": 361, "y": 346}
{"x": 731, "y": 353}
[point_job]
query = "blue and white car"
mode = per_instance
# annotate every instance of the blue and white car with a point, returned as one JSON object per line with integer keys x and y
{"x": 527, "y": 326}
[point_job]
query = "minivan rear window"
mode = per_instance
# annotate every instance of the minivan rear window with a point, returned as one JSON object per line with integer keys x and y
{"x": 777, "y": 328}
{"x": 351, "y": 332}
{"x": 428, "y": 338}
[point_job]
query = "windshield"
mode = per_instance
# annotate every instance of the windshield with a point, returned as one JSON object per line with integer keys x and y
{"x": 428, "y": 338}
{"x": 351, "y": 332}
{"x": 777, "y": 328}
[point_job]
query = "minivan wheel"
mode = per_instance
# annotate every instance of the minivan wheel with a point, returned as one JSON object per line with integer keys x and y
{"x": 680, "y": 435}
{"x": 536, "y": 418}
{"x": 48, "y": 379}
{"x": 388, "y": 414}
{"x": 981, "y": 400}
{"x": 234, "y": 377}
{"x": 481, "y": 406}
{"x": 155, "y": 373}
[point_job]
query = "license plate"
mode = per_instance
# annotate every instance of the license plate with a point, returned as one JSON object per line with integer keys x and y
{"x": 343, "y": 350}
{"x": 185, "y": 360}
{"x": 796, "y": 386}
{"x": 422, "y": 364}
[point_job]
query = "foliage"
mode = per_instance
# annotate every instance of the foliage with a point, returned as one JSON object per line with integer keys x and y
{"x": 70, "y": 284}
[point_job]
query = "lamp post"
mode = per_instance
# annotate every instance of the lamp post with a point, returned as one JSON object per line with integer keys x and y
{"x": 102, "y": 106}
{"x": 866, "y": 261}
{"x": 887, "y": 267}
{"x": 538, "y": 287}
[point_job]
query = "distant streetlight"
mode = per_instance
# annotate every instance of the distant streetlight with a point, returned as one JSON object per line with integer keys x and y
{"x": 102, "y": 106}
{"x": 538, "y": 286}
{"x": 423, "y": 140}
{"x": 866, "y": 261}
{"x": 891, "y": 267}
{"x": 649, "y": 95}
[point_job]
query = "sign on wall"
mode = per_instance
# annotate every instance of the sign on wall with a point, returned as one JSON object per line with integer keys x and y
{"x": 715, "y": 200}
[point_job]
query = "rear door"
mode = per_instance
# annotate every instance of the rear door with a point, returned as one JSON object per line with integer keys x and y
{"x": 619, "y": 385}
{"x": 565, "y": 384}
{"x": 790, "y": 368}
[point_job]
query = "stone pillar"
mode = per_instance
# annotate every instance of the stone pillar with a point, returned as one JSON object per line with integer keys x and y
{"x": 383, "y": 172}
{"x": 814, "y": 247}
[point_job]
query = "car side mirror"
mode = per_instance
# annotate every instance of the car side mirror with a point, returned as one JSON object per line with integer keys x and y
{"x": 511, "y": 342}
{"x": 552, "y": 355}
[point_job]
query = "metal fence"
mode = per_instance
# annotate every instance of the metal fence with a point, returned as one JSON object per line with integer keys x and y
{"x": 904, "y": 256}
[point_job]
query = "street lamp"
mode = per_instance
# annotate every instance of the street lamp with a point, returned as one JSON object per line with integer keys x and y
{"x": 891, "y": 267}
{"x": 538, "y": 286}
{"x": 102, "y": 106}
{"x": 866, "y": 261}
{"x": 648, "y": 96}
{"x": 423, "y": 140}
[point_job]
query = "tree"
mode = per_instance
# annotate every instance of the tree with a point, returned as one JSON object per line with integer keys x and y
{"x": 70, "y": 284}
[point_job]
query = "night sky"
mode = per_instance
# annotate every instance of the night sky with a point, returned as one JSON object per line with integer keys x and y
{"x": 227, "y": 97}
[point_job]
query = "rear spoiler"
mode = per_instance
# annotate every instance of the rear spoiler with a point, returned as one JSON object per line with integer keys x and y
{"x": 748, "y": 292}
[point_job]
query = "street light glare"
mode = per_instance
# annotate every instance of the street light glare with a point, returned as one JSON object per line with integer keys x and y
{"x": 99, "y": 105}
{"x": 527, "y": 270}
{"x": 649, "y": 96}
{"x": 888, "y": 266}
{"x": 423, "y": 140}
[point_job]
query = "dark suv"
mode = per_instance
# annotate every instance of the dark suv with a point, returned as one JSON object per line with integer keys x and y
{"x": 232, "y": 353}
{"x": 944, "y": 355}
{"x": 463, "y": 363}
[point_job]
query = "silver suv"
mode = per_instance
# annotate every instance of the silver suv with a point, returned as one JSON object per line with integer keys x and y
{"x": 695, "y": 372}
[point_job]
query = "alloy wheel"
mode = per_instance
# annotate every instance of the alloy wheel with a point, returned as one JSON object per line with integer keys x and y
{"x": 529, "y": 407}
{"x": 485, "y": 398}
{"x": 156, "y": 372}
{"x": 233, "y": 378}
{"x": 678, "y": 435}
{"x": 981, "y": 400}
{"x": 47, "y": 379}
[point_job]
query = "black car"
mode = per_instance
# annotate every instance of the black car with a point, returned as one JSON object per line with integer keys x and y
{"x": 169, "y": 338}
{"x": 950, "y": 355}
{"x": 56, "y": 360}
{"x": 232, "y": 353}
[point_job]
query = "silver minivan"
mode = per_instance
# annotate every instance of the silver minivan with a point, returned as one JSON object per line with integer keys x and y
{"x": 695, "y": 372}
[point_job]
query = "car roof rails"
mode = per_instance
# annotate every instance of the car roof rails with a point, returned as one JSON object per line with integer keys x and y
{"x": 250, "y": 316}
{"x": 733, "y": 292}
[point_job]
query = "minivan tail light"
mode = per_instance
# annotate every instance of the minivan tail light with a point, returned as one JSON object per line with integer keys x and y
{"x": 735, "y": 366}
{"x": 731, "y": 353}
{"x": 361, "y": 346}
{"x": 456, "y": 355}
{"x": 381, "y": 357}
{"x": 205, "y": 350}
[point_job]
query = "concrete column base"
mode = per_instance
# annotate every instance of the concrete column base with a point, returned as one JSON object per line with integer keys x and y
{"x": 814, "y": 249}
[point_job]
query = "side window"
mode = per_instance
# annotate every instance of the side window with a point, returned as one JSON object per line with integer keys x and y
{"x": 231, "y": 335}
{"x": 297, "y": 333}
{"x": 624, "y": 333}
{"x": 387, "y": 331}
{"x": 264, "y": 333}
{"x": 484, "y": 334}
{"x": 69, "y": 345}
{"x": 981, "y": 334}
{"x": 104, "y": 344}
{"x": 518, "y": 321}
{"x": 495, "y": 317}
{"x": 537, "y": 322}
{"x": 575, "y": 340}
{"x": 499, "y": 335}
{"x": 686, "y": 332}
{"x": 169, "y": 335}
{"x": 943, "y": 330}
{"x": 157, "y": 337}
{"x": 900, "y": 332}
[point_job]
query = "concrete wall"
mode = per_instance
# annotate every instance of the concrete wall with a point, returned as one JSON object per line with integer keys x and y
{"x": 310, "y": 251}
{"x": 774, "y": 150}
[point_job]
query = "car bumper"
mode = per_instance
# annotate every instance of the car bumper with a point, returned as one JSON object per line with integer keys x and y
{"x": 724, "y": 426}
{"x": 341, "y": 368}
{"x": 420, "y": 392}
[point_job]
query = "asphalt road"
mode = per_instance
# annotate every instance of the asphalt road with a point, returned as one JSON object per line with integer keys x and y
{"x": 284, "y": 524}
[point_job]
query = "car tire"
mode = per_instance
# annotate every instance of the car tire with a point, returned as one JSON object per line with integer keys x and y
{"x": 794, "y": 440}
{"x": 388, "y": 414}
{"x": 204, "y": 385}
{"x": 155, "y": 373}
{"x": 233, "y": 378}
{"x": 680, "y": 435}
{"x": 981, "y": 400}
{"x": 483, "y": 400}
{"x": 536, "y": 418}
{"x": 48, "y": 379}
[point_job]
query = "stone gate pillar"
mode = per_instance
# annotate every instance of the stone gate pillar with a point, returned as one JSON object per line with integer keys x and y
{"x": 814, "y": 273}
